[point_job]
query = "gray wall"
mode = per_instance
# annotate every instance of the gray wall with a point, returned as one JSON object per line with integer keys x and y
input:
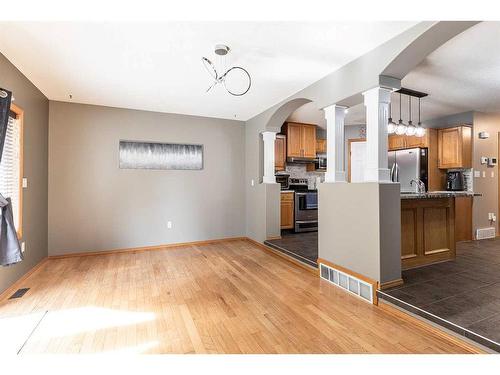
{"x": 360, "y": 228}
{"x": 487, "y": 186}
{"x": 94, "y": 205}
{"x": 36, "y": 108}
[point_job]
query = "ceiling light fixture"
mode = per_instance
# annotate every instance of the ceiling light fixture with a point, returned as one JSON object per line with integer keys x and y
{"x": 419, "y": 131}
{"x": 410, "y": 129}
{"x": 236, "y": 80}
{"x": 391, "y": 125}
{"x": 401, "y": 127}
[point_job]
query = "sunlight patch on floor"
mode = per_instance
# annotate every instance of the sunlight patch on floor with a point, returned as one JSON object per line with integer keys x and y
{"x": 89, "y": 318}
{"x": 15, "y": 330}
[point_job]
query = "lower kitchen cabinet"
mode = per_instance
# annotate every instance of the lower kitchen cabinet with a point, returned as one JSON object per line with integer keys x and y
{"x": 427, "y": 231}
{"x": 287, "y": 209}
{"x": 463, "y": 219}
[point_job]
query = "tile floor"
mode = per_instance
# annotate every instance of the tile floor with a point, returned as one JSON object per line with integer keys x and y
{"x": 465, "y": 292}
{"x": 302, "y": 246}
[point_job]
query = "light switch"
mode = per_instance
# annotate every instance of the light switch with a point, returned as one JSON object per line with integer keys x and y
{"x": 492, "y": 174}
{"x": 252, "y": 182}
{"x": 484, "y": 174}
{"x": 25, "y": 182}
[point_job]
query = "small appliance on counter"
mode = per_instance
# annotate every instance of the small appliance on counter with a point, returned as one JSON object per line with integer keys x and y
{"x": 455, "y": 181}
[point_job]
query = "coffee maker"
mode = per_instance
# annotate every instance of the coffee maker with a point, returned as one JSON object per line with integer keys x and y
{"x": 455, "y": 181}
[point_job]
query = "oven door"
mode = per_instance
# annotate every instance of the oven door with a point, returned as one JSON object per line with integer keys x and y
{"x": 306, "y": 211}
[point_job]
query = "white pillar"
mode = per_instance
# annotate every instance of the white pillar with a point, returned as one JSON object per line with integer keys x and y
{"x": 269, "y": 138}
{"x": 335, "y": 116}
{"x": 377, "y": 109}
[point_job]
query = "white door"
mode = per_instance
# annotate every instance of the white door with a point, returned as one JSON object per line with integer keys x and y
{"x": 358, "y": 161}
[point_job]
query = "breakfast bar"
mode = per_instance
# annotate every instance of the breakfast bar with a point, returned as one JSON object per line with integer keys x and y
{"x": 428, "y": 233}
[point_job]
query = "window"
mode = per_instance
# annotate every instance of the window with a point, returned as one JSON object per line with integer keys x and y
{"x": 11, "y": 167}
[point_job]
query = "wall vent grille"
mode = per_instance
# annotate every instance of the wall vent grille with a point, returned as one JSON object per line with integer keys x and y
{"x": 484, "y": 233}
{"x": 347, "y": 282}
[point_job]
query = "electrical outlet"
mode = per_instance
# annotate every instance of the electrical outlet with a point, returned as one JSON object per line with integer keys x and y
{"x": 477, "y": 174}
{"x": 25, "y": 182}
{"x": 169, "y": 224}
{"x": 23, "y": 247}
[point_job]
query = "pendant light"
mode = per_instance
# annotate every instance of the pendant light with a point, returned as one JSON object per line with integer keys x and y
{"x": 410, "y": 129}
{"x": 401, "y": 128}
{"x": 419, "y": 130}
{"x": 391, "y": 125}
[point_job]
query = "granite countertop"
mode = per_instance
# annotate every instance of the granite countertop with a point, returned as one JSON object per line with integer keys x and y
{"x": 439, "y": 194}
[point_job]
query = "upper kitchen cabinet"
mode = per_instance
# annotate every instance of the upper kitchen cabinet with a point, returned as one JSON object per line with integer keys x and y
{"x": 455, "y": 147}
{"x": 320, "y": 146}
{"x": 300, "y": 140}
{"x": 397, "y": 142}
{"x": 280, "y": 153}
{"x": 400, "y": 142}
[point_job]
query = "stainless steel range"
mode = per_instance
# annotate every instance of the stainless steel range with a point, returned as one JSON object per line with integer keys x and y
{"x": 306, "y": 206}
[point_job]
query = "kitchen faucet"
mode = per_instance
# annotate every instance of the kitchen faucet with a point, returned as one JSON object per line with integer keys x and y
{"x": 420, "y": 185}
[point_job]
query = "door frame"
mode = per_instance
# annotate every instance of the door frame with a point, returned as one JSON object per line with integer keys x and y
{"x": 349, "y": 142}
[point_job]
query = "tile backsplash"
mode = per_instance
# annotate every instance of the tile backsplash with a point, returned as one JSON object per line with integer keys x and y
{"x": 299, "y": 171}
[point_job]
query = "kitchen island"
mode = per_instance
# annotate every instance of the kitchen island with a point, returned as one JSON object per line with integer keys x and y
{"x": 428, "y": 227}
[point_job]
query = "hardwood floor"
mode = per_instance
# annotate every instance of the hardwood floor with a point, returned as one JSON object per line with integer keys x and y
{"x": 228, "y": 297}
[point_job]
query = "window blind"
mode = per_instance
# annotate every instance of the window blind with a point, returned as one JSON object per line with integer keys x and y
{"x": 10, "y": 167}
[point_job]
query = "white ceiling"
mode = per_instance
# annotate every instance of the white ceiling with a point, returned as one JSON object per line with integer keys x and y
{"x": 462, "y": 75}
{"x": 156, "y": 66}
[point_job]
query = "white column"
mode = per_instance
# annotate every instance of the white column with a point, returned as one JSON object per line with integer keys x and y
{"x": 377, "y": 110}
{"x": 335, "y": 116}
{"x": 269, "y": 138}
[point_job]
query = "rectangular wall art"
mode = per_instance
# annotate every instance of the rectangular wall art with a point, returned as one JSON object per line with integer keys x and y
{"x": 153, "y": 155}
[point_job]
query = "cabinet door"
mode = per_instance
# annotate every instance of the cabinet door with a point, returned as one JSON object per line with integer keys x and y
{"x": 396, "y": 142}
{"x": 450, "y": 144}
{"x": 412, "y": 141}
{"x": 294, "y": 140}
{"x": 320, "y": 146}
{"x": 309, "y": 141}
{"x": 463, "y": 219}
{"x": 287, "y": 221}
{"x": 280, "y": 153}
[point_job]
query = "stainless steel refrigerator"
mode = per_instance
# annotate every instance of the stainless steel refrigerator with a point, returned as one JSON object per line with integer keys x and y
{"x": 407, "y": 165}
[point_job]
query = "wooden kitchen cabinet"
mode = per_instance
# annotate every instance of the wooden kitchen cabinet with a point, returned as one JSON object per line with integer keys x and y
{"x": 396, "y": 142}
{"x": 320, "y": 146}
{"x": 300, "y": 140}
{"x": 455, "y": 147}
{"x": 401, "y": 142}
{"x": 287, "y": 209}
{"x": 463, "y": 219}
{"x": 280, "y": 153}
{"x": 427, "y": 231}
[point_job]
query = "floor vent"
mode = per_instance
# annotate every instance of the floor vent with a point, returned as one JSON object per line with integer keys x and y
{"x": 484, "y": 233}
{"x": 350, "y": 283}
{"x": 19, "y": 293}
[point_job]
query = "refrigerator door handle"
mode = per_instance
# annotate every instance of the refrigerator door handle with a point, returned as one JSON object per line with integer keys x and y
{"x": 393, "y": 171}
{"x": 396, "y": 172}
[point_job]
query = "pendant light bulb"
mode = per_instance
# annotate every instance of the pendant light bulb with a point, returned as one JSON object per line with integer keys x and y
{"x": 401, "y": 127}
{"x": 419, "y": 131}
{"x": 391, "y": 125}
{"x": 410, "y": 129}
